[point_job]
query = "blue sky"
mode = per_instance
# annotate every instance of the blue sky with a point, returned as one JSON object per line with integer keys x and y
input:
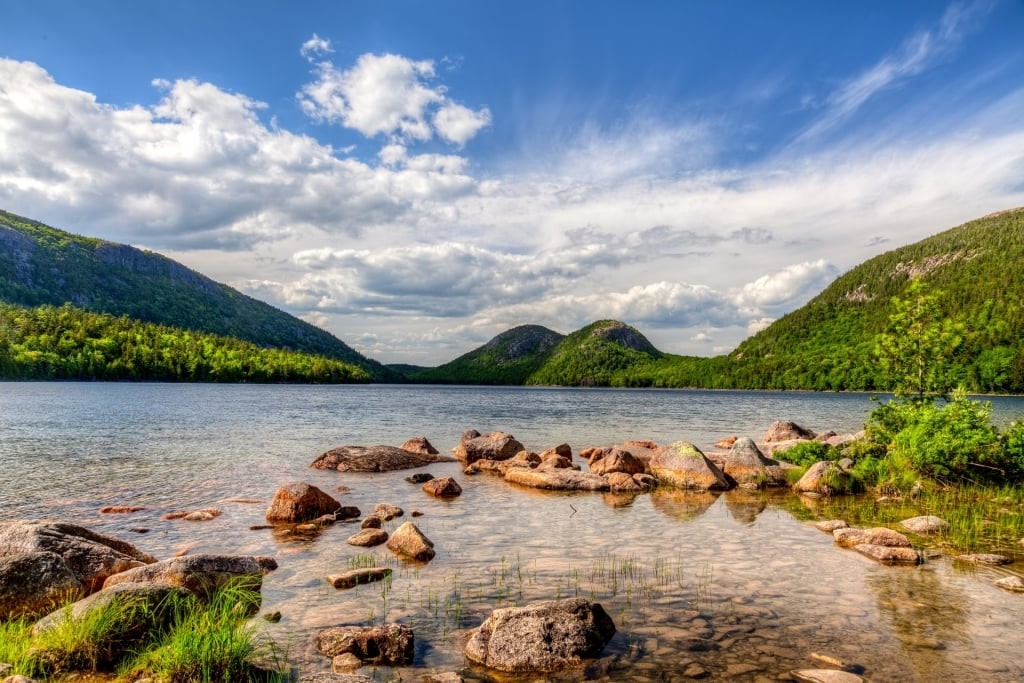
{"x": 417, "y": 177}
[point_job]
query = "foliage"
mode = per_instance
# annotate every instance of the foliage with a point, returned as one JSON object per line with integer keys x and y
{"x": 509, "y": 358}
{"x": 200, "y": 641}
{"x": 1011, "y": 442}
{"x": 70, "y": 343}
{"x": 918, "y": 347}
{"x": 806, "y": 453}
{"x": 40, "y": 265}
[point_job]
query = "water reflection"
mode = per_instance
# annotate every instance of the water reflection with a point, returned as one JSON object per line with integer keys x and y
{"x": 681, "y": 504}
{"x": 744, "y": 506}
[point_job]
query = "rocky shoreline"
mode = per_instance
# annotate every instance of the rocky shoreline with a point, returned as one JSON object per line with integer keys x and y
{"x": 43, "y": 565}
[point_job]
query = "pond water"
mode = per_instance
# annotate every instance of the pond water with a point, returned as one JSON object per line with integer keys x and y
{"x": 739, "y": 585}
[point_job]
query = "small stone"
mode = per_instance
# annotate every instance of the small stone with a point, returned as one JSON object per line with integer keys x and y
{"x": 387, "y": 512}
{"x": 371, "y": 522}
{"x": 345, "y": 662}
{"x": 355, "y": 577}
{"x": 985, "y": 558}
{"x": 825, "y": 676}
{"x": 830, "y": 525}
{"x": 273, "y": 617}
{"x": 408, "y": 541}
{"x": 120, "y": 509}
{"x": 1011, "y": 583}
{"x": 202, "y": 515}
{"x": 139, "y": 530}
{"x": 367, "y": 538}
{"x": 445, "y": 487}
{"x": 415, "y": 513}
{"x": 419, "y": 478}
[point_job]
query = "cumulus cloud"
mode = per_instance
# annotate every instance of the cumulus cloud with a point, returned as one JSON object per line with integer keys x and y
{"x": 315, "y": 47}
{"x": 199, "y": 169}
{"x": 389, "y": 95}
{"x": 786, "y": 288}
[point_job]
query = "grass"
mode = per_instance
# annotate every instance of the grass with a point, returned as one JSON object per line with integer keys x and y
{"x": 185, "y": 640}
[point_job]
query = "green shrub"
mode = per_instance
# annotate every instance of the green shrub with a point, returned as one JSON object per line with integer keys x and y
{"x": 1011, "y": 444}
{"x": 955, "y": 442}
{"x": 806, "y": 453}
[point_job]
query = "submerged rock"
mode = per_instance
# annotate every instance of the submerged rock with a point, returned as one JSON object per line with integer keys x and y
{"x": 356, "y": 577}
{"x": 387, "y": 511}
{"x": 374, "y": 459}
{"x": 90, "y": 556}
{"x": 541, "y": 637}
{"x": 891, "y": 555}
{"x": 419, "y": 477}
{"x": 300, "y": 502}
{"x": 1011, "y": 583}
{"x": 683, "y": 465}
{"x": 849, "y": 538}
{"x": 387, "y": 645}
{"x": 925, "y": 525}
{"x": 367, "y": 538}
{"x": 985, "y": 558}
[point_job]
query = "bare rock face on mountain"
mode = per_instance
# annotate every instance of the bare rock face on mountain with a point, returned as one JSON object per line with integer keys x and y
{"x": 492, "y": 446}
{"x": 375, "y": 459}
{"x": 300, "y": 502}
{"x": 90, "y": 556}
{"x": 541, "y": 637}
{"x": 683, "y": 465}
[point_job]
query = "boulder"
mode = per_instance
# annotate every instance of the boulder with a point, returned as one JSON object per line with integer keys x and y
{"x": 300, "y": 502}
{"x": 925, "y": 525}
{"x": 749, "y": 468}
{"x": 408, "y": 541}
{"x": 526, "y": 459}
{"x": 886, "y": 554}
{"x": 620, "y": 482}
{"x": 419, "y": 444}
{"x": 356, "y": 577}
{"x": 782, "y": 430}
{"x": 830, "y": 525}
{"x": 387, "y": 645}
{"x": 32, "y": 584}
{"x": 201, "y": 574}
{"x": 90, "y": 556}
{"x": 825, "y": 478}
{"x": 445, "y": 487}
{"x": 618, "y": 460}
{"x": 562, "y": 449}
{"x": 557, "y": 462}
{"x": 557, "y": 479}
{"x": 492, "y": 446}
{"x": 541, "y": 637}
{"x": 374, "y": 459}
{"x": 726, "y": 443}
{"x": 387, "y": 511}
{"x": 367, "y": 538}
{"x": 850, "y": 538}
{"x": 682, "y": 465}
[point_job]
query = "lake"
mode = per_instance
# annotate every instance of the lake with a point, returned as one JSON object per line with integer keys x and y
{"x": 739, "y": 585}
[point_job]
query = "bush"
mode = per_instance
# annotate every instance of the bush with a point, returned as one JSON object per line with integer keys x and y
{"x": 1011, "y": 444}
{"x": 806, "y": 453}
{"x": 955, "y": 442}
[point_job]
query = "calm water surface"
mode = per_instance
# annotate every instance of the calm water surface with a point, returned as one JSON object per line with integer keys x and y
{"x": 734, "y": 583}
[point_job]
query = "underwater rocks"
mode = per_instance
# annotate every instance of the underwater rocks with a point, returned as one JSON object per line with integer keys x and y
{"x": 375, "y": 459}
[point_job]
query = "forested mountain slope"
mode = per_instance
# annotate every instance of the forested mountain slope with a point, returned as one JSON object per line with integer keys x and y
{"x": 42, "y": 265}
{"x": 509, "y": 358}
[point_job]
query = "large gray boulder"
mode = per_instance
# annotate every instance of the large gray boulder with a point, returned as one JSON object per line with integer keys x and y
{"x": 746, "y": 464}
{"x": 492, "y": 446}
{"x": 32, "y": 584}
{"x": 90, "y": 556}
{"x": 541, "y": 637}
{"x": 684, "y": 466}
{"x": 374, "y": 459}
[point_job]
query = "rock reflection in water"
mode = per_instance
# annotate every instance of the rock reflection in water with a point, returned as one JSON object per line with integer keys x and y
{"x": 682, "y": 504}
{"x": 744, "y": 506}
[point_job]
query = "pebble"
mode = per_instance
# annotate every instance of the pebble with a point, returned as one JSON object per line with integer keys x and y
{"x": 1011, "y": 583}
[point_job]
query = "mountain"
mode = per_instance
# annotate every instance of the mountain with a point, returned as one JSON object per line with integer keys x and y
{"x": 595, "y": 355}
{"x": 41, "y": 265}
{"x": 509, "y": 358}
{"x": 977, "y": 268}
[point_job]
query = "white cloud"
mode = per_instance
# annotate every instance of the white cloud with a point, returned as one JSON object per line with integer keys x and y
{"x": 389, "y": 95}
{"x": 787, "y": 288}
{"x": 315, "y": 47}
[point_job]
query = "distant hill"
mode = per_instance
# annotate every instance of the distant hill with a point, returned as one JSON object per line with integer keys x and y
{"x": 828, "y": 344}
{"x": 509, "y": 358}
{"x": 41, "y": 265}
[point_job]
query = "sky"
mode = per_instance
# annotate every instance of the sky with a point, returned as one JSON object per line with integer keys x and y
{"x": 417, "y": 177}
